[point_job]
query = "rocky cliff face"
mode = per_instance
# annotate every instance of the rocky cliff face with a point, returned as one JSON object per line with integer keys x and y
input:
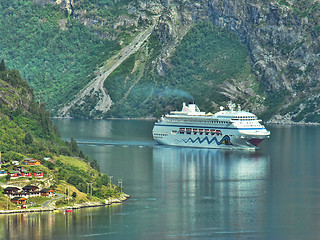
{"x": 283, "y": 38}
{"x": 283, "y": 50}
{"x": 283, "y": 43}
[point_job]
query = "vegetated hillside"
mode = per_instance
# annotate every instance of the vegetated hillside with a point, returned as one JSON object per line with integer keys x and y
{"x": 262, "y": 54}
{"x": 25, "y": 124}
{"x": 27, "y": 131}
{"x": 203, "y": 66}
{"x": 54, "y": 53}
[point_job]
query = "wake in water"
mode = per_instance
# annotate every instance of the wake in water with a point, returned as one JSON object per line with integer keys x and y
{"x": 117, "y": 143}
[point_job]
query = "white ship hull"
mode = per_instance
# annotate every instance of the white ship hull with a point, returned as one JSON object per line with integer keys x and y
{"x": 232, "y": 138}
{"x": 228, "y": 129}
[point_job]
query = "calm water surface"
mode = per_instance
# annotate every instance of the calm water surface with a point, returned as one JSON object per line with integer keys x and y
{"x": 186, "y": 193}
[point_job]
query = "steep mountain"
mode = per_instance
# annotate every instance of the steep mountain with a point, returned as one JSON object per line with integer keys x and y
{"x": 132, "y": 58}
{"x": 25, "y": 125}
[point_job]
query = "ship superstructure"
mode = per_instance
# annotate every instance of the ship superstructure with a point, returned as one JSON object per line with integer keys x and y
{"x": 230, "y": 128}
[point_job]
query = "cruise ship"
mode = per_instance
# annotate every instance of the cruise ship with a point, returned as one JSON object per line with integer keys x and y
{"x": 229, "y": 128}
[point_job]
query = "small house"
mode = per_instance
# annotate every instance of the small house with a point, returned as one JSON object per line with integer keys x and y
{"x": 30, "y": 189}
{"x": 16, "y": 163}
{"x": 31, "y": 162}
{"x": 19, "y": 200}
{"x": 47, "y": 192}
{"x": 28, "y": 174}
{"x": 11, "y": 190}
{"x": 38, "y": 174}
{"x": 13, "y": 174}
{"x": 49, "y": 160}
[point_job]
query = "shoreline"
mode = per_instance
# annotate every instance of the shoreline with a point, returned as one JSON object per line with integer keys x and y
{"x": 147, "y": 118}
{"x": 107, "y": 202}
{"x": 270, "y": 122}
{"x": 292, "y": 123}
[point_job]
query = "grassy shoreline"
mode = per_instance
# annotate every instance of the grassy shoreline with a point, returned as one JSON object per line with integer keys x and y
{"x": 107, "y": 202}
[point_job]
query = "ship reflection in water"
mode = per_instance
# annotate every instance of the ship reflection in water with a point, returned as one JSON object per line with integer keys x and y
{"x": 176, "y": 193}
{"x": 227, "y": 190}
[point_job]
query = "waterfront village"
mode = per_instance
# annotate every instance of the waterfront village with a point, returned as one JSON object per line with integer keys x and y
{"x": 32, "y": 185}
{"x": 15, "y": 170}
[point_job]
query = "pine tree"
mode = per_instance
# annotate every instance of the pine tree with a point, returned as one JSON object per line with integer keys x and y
{"x": 28, "y": 139}
{"x": 2, "y": 65}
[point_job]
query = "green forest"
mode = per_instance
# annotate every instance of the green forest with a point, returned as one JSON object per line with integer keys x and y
{"x": 55, "y": 53}
{"x": 26, "y": 130}
{"x": 58, "y": 54}
{"x": 205, "y": 58}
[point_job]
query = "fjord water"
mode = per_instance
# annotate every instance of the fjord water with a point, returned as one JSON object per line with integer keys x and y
{"x": 188, "y": 193}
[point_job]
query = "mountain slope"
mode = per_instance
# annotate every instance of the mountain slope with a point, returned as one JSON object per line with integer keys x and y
{"x": 262, "y": 54}
{"x": 95, "y": 89}
{"x": 54, "y": 53}
{"x": 199, "y": 69}
{"x": 27, "y": 131}
{"x": 25, "y": 124}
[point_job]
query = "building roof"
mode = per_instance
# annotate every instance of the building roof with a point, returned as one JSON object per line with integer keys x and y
{"x": 29, "y": 187}
{"x": 46, "y": 190}
{"x": 31, "y": 160}
{"x": 11, "y": 188}
{"x": 18, "y": 198}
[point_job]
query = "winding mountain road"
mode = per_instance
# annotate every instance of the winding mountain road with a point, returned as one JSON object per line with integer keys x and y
{"x": 55, "y": 198}
{"x": 96, "y": 86}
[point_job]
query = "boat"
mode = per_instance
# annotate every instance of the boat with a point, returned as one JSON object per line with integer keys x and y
{"x": 229, "y": 128}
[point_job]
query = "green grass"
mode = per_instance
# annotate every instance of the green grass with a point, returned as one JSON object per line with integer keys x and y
{"x": 38, "y": 201}
{"x": 75, "y": 162}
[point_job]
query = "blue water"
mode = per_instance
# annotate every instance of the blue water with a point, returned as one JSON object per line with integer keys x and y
{"x": 186, "y": 193}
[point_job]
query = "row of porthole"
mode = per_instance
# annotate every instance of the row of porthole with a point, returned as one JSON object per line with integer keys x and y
{"x": 201, "y": 133}
{"x": 160, "y": 134}
{"x": 197, "y": 131}
{"x": 190, "y": 121}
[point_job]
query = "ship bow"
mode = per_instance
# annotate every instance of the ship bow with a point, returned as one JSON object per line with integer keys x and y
{"x": 255, "y": 141}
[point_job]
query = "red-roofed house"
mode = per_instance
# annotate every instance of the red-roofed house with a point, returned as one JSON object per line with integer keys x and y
{"x": 28, "y": 174}
{"x": 38, "y": 174}
{"x": 47, "y": 192}
{"x": 19, "y": 200}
